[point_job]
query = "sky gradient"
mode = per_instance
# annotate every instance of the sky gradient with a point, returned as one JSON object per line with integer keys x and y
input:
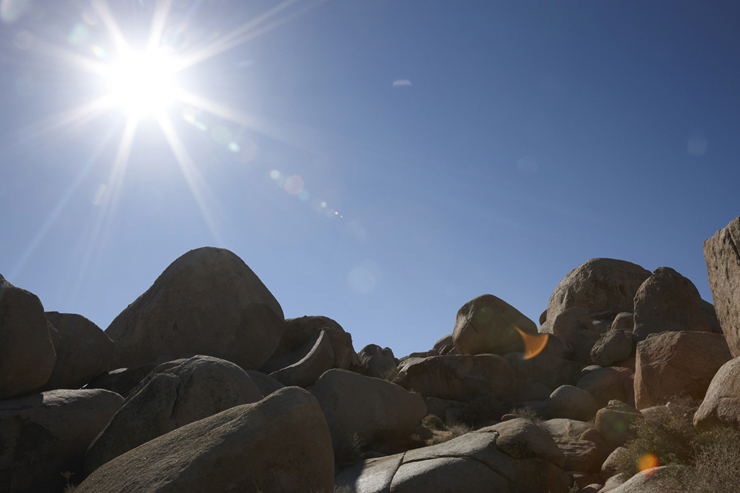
{"x": 378, "y": 162}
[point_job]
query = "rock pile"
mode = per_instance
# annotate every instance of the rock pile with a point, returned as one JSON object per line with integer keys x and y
{"x": 201, "y": 385}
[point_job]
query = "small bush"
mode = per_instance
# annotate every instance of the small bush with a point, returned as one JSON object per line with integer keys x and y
{"x": 349, "y": 451}
{"x": 527, "y": 413}
{"x": 710, "y": 460}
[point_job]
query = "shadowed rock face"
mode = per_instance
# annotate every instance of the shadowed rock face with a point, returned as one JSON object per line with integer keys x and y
{"x": 27, "y": 354}
{"x": 722, "y": 255}
{"x": 206, "y": 302}
{"x": 487, "y": 324}
{"x": 604, "y": 287}
{"x": 673, "y": 364}
{"x": 280, "y": 443}
{"x": 667, "y": 301}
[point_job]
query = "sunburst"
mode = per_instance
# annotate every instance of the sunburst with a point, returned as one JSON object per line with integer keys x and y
{"x": 142, "y": 84}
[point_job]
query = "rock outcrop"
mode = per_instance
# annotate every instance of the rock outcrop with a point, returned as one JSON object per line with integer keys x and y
{"x": 722, "y": 255}
{"x": 721, "y": 405}
{"x": 674, "y": 364}
{"x": 280, "y": 443}
{"x": 487, "y": 324}
{"x": 27, "y": 354}
{"x": 206, "y": 291}
{"x": 173, "y": 395}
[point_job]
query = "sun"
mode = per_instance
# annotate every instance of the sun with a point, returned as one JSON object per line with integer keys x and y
{"x": 142, "y": 83}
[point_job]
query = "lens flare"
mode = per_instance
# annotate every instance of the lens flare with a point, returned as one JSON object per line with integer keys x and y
{"x": 647, "y": 462}
{"x": 533, "y": 345}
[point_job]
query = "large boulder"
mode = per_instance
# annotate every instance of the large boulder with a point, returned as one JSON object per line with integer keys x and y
{"x": 571, "y": 402}
{"x": 721, "y": 405}
{"x": 122, "y": 380}
{"x": 614, "y": 422}
{"x": 667, "y": 301}
{"x": 27, "y": 354}
{"x": 512, "y": 457}
{"x": 173, "y": 395}
{"x": 613, "y": 346}
{"x": 375, "y": 410}
{"x": 301, "y": 330}
{"x": 673, "y": 364}
{"x": 303, "y": 367}
{"x": 575, "y": 326}
{"x": 544, "y": 369}
{"x": 458, "y": 377}
{"x": 487, "y": 324}
{"x": 722, "y": 256}
{"x": 280, "y": 443}
{"x": 84, "y": 351}
{"x": 602, "y": 286}
{"x": 44, "y": 435}
{"x": 607, "y": 384}
{"x": 206, "y": 302}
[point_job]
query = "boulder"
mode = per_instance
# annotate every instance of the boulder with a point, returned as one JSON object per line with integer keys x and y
{"x": 381, "y": 367}
{"x": 306, "y": 365}
{"x": 607, "y": 384}
{"x": 442, "y": 342}
{"x": 667, "y": 301}
{"x": 487, "y": 324}
{"x": 369, "y": 476}
{"x": 526, "y": 471}
{"x": 673, "y": 364}
{"x": 722, "y": 256}
{"x": 447, "y": 475}
{"x": 84, "y": 351}
{"x": 523, "y": 439}
{"x": 44, "y": 435}
{"x": 721, "y": 405}
{"x": 602, "y": 286}
{"x": 280, "y": 443}
{"x": 610, "y": 466}
{"x": 614, "y": 422}
{"x": 575, "y": 326}
{"x": 624, "y": 321}
{"x": 557, "y": 346}
{"x": 374, "y": 350}
{"x": 206, "y": 302}
{"x": 173, "y": 395}
{"x": 375, "y": 410}
{"x": 656, "y": 480}
{"x": 265, "y": 383}
{"x": 543, "y": 369}
{"x": 27, "y": 354}
{"x": 580, "y": 455}
{"x": 459, "y": 377}
{"x": 613, "y": 346}
{"x": 571, "y": 403}
{"x": 563, "y": 427}
{"x": 299, "y": 331}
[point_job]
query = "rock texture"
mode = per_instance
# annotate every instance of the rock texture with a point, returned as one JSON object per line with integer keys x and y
{"x": 281, "y": 443}
{"x": 303, "y": 367}
{"x": 673, "y": 364}
{"x": 721, "y": 405}
{"x": 487, "y": 324}
{"x": 574, "y": 325}
{"x": 27, "y": 354}
{"x": 602, "y": 286}
{"x": 84, "y": 351}
{"x": 375, "y": 410}
{"x": 458, "y": 377}
{"x": 722, "y": 255}
{"x": 44, "y": 435}
{"x": 173, "y": 395}
{"x": 616, "y": 345}
{"x": 667, "y": 301}
{"x": 206, "y": 291}
{"x": 301, "y": 330}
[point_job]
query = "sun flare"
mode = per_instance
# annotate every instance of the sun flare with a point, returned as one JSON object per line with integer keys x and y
{"x": 142, "y": 83}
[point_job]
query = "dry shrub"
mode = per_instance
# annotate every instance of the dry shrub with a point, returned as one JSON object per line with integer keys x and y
{"x": 710, "y": 461}
{"x": 527, "y": 413}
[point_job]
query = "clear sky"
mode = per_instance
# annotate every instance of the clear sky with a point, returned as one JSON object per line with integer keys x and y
{"x": 378, "y": 162}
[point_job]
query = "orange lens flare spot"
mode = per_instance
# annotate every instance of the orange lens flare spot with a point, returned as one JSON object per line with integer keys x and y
{"x": 533, "y": 345}
{"x": 646, "y": 463}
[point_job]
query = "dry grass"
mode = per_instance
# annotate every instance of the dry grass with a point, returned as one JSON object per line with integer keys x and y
{"x": 710, "y": 460}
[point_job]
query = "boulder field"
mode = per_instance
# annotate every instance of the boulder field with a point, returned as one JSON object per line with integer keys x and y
{"x": 202, "y": 385}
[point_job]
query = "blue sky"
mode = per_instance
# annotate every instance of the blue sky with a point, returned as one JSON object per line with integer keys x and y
{"x": 466, "y": 147}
